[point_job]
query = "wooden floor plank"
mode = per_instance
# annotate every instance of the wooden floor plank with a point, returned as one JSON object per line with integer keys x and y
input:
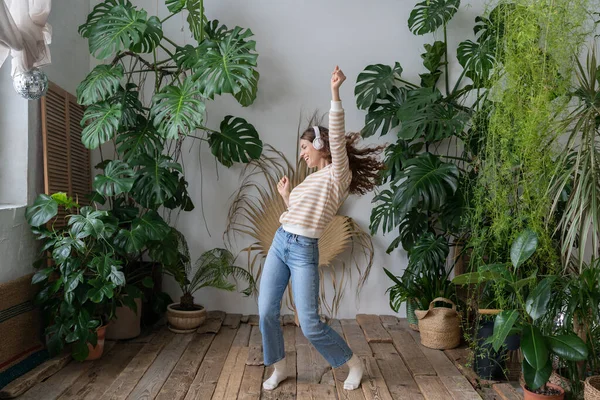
{"x": 355, "y": 338}
{"x": 92, "y": 384}
{"x": 372, "y": 328}
{"x": 506, "y": 392}
{"x": 440, "y": 362}
{"x": 314, "y": 378}
{"x": 242, "y": 336}
{"x": 412, "y": 355}
{"x": 178, "y": 383}
{"x": 206, "y": 379}
{"x": 133, "y": 372}
{"x": 253, "y": 319}
{"x": 373, "y": 385}
{"x": 213, "y": 322}
{"x": 388, "y": 321}
{"x": 58, "y": 383}
{"x": 340, "y": 375}
{"x": 432, "y": 388}
{"x": 251, "y": 382}
{"x": 156, "y": 376}
{"x": 231, "y": 376}
{"x": 232, "y": 320}
{"x": 255, "y": 353}
{"x": 286, "y": 389}
{"x": 460, "y": 388}
{"x": 395, "y": 373}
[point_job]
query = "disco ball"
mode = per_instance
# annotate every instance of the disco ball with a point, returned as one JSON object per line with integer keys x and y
{"x": 31, "y": 84}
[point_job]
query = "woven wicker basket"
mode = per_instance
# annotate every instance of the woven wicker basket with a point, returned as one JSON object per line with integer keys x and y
{"x": 591, "y": 389}
{"x": 413, "y": 322}
{"x": 439, "y": 326}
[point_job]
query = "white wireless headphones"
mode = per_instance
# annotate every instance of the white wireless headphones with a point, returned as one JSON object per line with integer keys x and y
{"x": 317, "y": 142}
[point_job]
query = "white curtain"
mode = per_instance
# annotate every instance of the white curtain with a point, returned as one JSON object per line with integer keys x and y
{"x": 25, "y": 33}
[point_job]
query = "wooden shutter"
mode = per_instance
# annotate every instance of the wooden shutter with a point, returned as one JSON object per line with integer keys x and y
{"x": 66, "y": 160}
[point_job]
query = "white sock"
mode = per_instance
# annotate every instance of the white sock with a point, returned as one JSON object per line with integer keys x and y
{"x": 355, "y": 375}
{"x": 279, "y": 374}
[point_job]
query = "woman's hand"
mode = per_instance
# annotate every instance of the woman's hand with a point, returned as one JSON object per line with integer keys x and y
{"x": 337, "y": 78}
{"x": 283, "y": 187}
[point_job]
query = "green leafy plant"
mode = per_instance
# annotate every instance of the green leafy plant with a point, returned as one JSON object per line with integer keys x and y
{"x": 532, "y": 295}
{"x": 214, "y": 268}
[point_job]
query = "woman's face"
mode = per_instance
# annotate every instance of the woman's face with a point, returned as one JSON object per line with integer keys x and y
{"x": 312, "y": 156}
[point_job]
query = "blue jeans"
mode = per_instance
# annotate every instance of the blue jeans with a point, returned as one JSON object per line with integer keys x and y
{"x": 296, "y": 256}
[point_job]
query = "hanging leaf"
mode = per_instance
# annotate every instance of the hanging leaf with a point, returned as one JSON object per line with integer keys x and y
{"x": 157, "y": 180}
{"x": 227, "y": 65}
{"x": 121, "y": 28}
{"x": 177, "y": 109}
{"x": 569, "y": 347}
{"x": 175, "y": 6}
{"x": 100, "y": 84}
{"x": 237, "y": 142}
{"x": 429, "y": 15}
{"x": 432, "y": 58}
{"x": 215, "y": 30}
{"x": 247, "y": 95}
{"x": 153, "y": 34}
{"x": 375, "y": 82}
{"x": 523, "y": 247}
{"x": 144, "y": 139}
{"x": 43, "y": 210}
{"x": 98, "y": 12}
{"x": 196, "y": 18}
{"x": 103, "y": 124}
{"x": 117, "y": 179}
{"x": 385, "y": 213}
{"x": 536, "y": 378}
{"x": 503, "y": 324}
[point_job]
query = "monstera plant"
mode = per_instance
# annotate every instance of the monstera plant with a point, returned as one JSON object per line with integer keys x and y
{"x": 437, "y": 134}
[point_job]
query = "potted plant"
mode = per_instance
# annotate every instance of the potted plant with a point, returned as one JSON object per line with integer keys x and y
{"x": 214, "y": 268}
{"x": 79, "y": 272}
{"x": 532, "y": 295}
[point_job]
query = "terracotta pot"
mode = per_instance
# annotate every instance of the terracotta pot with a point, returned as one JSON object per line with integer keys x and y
{"x": 533, "y": 396}
{"x": 96, "y": 351}
{"x": 127, "y": 323}
{"x": 185, "y": 321}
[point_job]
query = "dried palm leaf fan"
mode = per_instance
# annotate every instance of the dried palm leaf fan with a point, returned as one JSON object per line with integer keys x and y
{"x": 256, "y": 209}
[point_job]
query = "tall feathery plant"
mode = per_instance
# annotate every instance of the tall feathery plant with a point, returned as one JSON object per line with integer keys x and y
{"x": 255, "y": 212}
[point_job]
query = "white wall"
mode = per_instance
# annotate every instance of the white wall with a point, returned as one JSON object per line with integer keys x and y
{"x": 21, "y": 168}
{"x": 299, "y": 43}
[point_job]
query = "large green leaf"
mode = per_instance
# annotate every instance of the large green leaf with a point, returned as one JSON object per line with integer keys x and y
{"x": 411, "y": 228}
{"x": 43, "y": 210}
{"x": 100, "y": 84}
{"x": 534, "y": 347}
{"x": 152, "y": 225}
{"x": 432, "y": 58}
{"x": 130, "y": 241}
{"x": 429, "y": 182}
{"x": 131, "y": 105}
{"x": 166, "y": 251}
{"x": 227, "y": 65}
{"x": 478, "y": 58}
{"x": 98, "y": 12}
{"x": 429, "y": 15}
{"x": 396, "y": 156}
{"x": 535, "y": 378}
{"x": 375, "y": 82}
{"x": 247, "y": 95}
{"x": 215, "y": 30}
{"x": 385, "y": 213}
{"x": 118, "y": 178}
{"x": 196, "y": 18}
{"x": 121, "y": 28}
{"x": 523, "y": 247}
{"x": 87, "y": 223}
{"x": 537, "y": 302}
{"x": 144, "y": 139}
{"x": 238, "y": 141}
{"x": 175, "y": 6}
{"x": 382, "y": 113}
{"x": 103, "y": 124}
{"x": 568, "y": 347}
{"x": 430, "y": 251}
{"x": 157, "y": 180}
{"x": 503, "y": 324}
{"x": 151, "y": 37}
{"x": 178, "y": 109}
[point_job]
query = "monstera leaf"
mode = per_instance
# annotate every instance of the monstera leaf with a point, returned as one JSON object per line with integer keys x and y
{"x": 131, "y": 106}
{"x": 227, "y": 65}
{"x": 396, "y": 156}
{"x": 157, "y": 180}
{"x": 247, "y": 95}
{"x": 43, "y": 210}
{"x": 429, "y": 251}
{"x": 178, "y": 109}
{"x": 152, "y": 225}
{"x": 375, "y": 82}
{"x": 237, "y": 142}
{"x": 103, "y": 124}
{"x": 411, "y": 228}
{"x": 429, "y": 15}
{"x": 144, "y": 139}
{"x": 385, "y": 213}
{"x": 87, "y": 223}
{"x": 196, "y": 19}
{"x": 100, "y": 84}
{"x": 153, "y": 34}
{"x": 383, "y": 113}
{"x": 117, "y": 178}
{"x": 98, "y": 12}
{"x": 429, "y": 182}
{"x": 477, "y": 58}
{"x": 121, "y": 28}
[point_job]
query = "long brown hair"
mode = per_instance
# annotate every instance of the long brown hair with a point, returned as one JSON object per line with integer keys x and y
{"x": 364, "y": 162}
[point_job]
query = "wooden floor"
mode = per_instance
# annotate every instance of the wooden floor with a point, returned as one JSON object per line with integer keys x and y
{"x": 224, "y": 361}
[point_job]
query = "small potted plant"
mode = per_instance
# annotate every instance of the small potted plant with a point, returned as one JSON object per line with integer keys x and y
{"x": 532, "y": 295}
{"x": 214, "y": 268}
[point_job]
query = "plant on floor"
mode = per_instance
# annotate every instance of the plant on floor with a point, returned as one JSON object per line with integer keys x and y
{"x": 144, "y": 173}
{"x": 256, "y": 209}
{"x": 531, "y": 293}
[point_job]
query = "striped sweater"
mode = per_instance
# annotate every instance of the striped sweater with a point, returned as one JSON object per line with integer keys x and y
{"x": 314, "y": 203}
